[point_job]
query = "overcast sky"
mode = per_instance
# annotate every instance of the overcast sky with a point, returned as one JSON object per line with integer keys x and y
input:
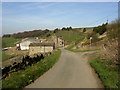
{"x": 24, "y": 16}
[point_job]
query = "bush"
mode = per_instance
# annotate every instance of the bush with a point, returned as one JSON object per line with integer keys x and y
{"x": 112, "y": 29}
{"x": 84, "y": 30}
{"x": 100, "y": 29}
{"x": 93, "y": 35}
{"x": 87, "y": 42}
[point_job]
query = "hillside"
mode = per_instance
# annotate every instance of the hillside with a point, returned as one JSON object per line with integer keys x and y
{"x": 68, "y": 34}
{"x": 103, "y": 44}
{"x": 34, "y": 33}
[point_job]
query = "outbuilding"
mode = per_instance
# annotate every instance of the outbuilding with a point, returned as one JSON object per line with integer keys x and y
{"x": 41, "y": 48}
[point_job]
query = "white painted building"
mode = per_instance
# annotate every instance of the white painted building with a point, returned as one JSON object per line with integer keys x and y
{"x": 24, "y": 45}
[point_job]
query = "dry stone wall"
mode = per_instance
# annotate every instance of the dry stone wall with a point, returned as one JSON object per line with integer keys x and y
{"x": 21, "y": 62}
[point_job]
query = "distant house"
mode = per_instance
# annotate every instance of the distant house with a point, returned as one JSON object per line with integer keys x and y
{"x": 24, "y": 45}
{"x": 41, "y": 48}
{"x": 59, "y": 42}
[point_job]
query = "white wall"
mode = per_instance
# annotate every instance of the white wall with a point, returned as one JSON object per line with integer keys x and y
{"x": 25, "y": 45}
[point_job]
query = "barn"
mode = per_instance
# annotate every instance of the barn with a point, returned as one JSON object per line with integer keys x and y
{"x": 41, "y": 48}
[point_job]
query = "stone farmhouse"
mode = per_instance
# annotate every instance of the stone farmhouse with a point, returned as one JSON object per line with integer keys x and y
{"x": 36, "y": 48}
{"x": 36, "y": 45}
{"x": 24, "y": 45}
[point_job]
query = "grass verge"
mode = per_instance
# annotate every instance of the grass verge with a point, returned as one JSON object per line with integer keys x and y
{"x": 70, "y": 47}
{"x": 6, "y": 56}
{"x": 24, "y": 77}
{"x": 107, "y": 73}
{"x": 75, "y": 50}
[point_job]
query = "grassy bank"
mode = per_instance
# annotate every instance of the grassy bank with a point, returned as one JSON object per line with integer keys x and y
{"x": 6, "y": 56}
{"x": 106, "y": 71}
{"x": 76, "y": 50}
{"x": 70, "y": 47}
{"x": 22, "y": 78}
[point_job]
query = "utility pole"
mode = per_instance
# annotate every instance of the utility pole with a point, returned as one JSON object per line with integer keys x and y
{"x": 90, "y": 42}
{"x": 107, "y": 20}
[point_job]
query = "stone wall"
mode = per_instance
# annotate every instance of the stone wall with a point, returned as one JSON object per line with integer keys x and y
{"x": 40, "y": 49}
{"x": 20, "y": 63}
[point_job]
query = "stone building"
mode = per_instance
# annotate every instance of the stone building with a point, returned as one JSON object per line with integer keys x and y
{"x": 24, "y": 45}
{"x": 43, "y": 40}
{"x": 59, "y": 42}
{"x": 36, "y": 48}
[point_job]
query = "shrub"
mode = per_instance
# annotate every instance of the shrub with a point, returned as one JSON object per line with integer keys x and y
{"x": 112, "y": 29}
{"x": 84, "y": 30}
{"x": 93, "y": 35}
{"x": 100, "y": 29}
{"x": 87, "y": 42}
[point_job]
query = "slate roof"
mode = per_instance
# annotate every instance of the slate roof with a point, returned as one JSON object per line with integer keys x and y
{"x": 42, "y": 44}
{"x": 31, "y": 40}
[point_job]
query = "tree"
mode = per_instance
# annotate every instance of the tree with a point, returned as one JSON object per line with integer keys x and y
{"x": 63, "y": 28}
{"x": 48, "y": 35}
{"x": 100, "y": 29}
{"x": 47, "y": 30}
{"x": 70, "y": 27}
{"x": 84, "y": 30}
{"x": 7, "y": 35}
{"x": 93, "y": 35}
{"x": 56, "y": 30}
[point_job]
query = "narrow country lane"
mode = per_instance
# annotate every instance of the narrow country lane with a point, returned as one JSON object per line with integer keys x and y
{"x": 69, "y": 72}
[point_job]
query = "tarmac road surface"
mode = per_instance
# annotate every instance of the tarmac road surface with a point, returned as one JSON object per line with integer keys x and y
{"x": 69, "y": 72}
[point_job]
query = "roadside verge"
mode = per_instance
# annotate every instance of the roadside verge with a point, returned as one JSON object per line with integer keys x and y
{"x": 106, "y": 70}
{"x": 24, "y": 77}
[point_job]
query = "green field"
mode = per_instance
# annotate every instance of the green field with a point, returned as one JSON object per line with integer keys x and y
{"x": 107, "y": 72}
{"x": 9, "y": 42}
{"x": 70, "y": 35}
{"x": 24, "y": 77}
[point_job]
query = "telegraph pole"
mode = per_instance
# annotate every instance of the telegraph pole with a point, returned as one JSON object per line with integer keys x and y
{"x": 107, "y": 20}
{"x": 90, "y": 42}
